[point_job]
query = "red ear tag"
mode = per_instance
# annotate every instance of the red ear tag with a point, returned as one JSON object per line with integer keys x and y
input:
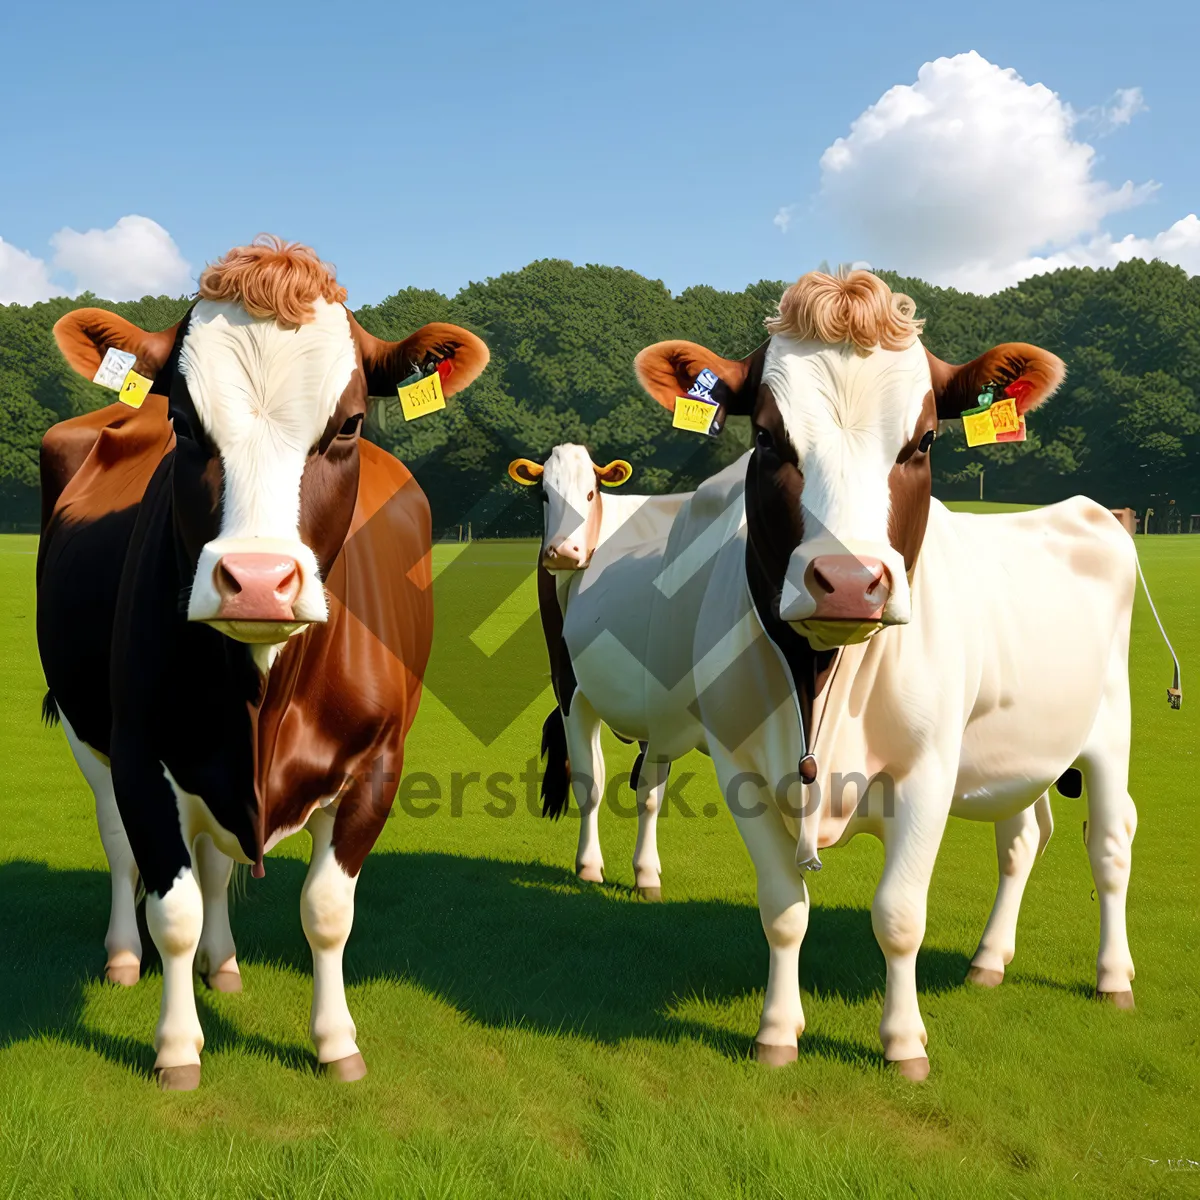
{"x": 1019, "y": 390}
{"x": 444, "y": 368}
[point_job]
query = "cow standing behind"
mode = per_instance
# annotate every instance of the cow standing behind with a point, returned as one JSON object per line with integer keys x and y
{"x": 234, "y": 615}
{"x": 957, "y": 664}
{"x": 600, "y": 557}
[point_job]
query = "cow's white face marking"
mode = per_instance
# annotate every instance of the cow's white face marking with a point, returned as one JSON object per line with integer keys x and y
{"x": 847, "y": 416}
{"x": 570, "y": 484}
{"x": 264, "y": 395}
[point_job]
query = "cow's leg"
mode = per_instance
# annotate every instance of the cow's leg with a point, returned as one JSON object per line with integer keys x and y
{"x": 1112, "y": 822}
{"x": 216, "y": 958}
{"x": 647, "y": 870}
{"x": 327, "y": 913}
{"x": 1018, "y": 842}
{"x": 783, "y": 909}
{"x": 911, "y": 839}
{"x": 175, "y": 920}
{"x": 122, "y": 942}
{"x": 587, "y": 783}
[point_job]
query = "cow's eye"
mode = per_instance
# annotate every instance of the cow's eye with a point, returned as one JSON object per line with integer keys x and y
{"x": 763, "y": 440}
{"x": 927, "y": 441}
{"x": 591, "y": 496}
{"x": 351, "y": 426}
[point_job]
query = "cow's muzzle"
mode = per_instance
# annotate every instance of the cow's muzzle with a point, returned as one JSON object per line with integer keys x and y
{"x": 566, "y": 556}
{"x": 848, "y": 588}
{"x": 836, "y": 595}
{"x": 257, "y": 595}
{"x": 256, "y": 587}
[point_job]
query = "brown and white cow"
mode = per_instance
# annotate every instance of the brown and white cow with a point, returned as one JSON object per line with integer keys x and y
{"x": 234, "y": 615}
{"x": 939, "y": 663}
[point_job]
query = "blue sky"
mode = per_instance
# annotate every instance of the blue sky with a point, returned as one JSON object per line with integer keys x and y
{"x": 433, "y": 145}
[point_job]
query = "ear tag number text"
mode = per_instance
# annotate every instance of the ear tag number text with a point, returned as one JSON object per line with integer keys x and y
{"x": 422, "y": 396}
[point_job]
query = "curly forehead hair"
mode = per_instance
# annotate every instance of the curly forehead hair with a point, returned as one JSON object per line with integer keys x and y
{"x": 273, "y": 278}
{"x": 853, "y": 308}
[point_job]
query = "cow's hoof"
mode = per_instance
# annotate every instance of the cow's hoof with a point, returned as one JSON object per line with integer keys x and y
{"x": 124, "y": 975}
{"x": 650, "y": 893}
{"x": 985, "y": 977}
{"x": 225, "y": 981}
{"x": 178, "y": 1079}
{"x": 1117, "y": 999}
{"x": 590, "y": 874}
{"x": 775, "y": 1056}
{"x": 345, "y": 1070}
{"x": 915, "y": 1070}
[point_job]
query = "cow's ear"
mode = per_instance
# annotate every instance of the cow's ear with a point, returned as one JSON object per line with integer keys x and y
{"x": 1029, "y": 374}
{"x": 460, "y": 354}
{"x": 667, "y": 369}
{"x": 87, "y": 334}
{"x": 525, "y": 471}
{"x": 616, "y": 473}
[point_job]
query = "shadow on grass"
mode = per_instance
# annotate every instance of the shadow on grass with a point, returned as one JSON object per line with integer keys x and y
{"x": 505, "y": 943}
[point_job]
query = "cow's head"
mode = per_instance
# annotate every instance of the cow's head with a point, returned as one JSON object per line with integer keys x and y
{"x": 845, "y": 403}
{"x": 267, "y": 378}
{"x": 573, "y": 506}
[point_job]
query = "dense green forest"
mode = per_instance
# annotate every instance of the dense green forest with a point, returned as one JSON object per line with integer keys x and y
{"x": 1125, "y": 428}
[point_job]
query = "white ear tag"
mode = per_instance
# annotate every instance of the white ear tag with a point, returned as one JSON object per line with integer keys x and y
{"x": 117, "y": 373}
{"x": 113, "y": 369}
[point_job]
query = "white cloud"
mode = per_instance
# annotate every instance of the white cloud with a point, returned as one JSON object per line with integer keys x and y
{"x": 23, "y": 278}
{"x": 973, "y": 178}
{"x": 134, "y": 258}
{"x": 1179, "y": 245}
{"x": 783, "y": 218}
{"x": 1121, "y": 109}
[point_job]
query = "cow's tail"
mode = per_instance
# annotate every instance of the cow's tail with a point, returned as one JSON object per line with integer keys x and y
{"x": 556, "y": 778}
{"x": 1175, "y": 691}
{"x": 49, "y": 709}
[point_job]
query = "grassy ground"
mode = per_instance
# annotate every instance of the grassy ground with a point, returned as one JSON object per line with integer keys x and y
{"x": 530, "y": 1035}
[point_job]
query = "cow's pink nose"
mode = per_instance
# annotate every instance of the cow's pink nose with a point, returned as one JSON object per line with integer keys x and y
{"x": 257, "y": 587}
{"x": 849, "y": 588}
{"x": 566, "y": 556}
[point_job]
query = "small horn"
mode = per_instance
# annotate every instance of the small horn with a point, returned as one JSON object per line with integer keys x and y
{"x": 616, "y": 473}
{"x": 525, "y": 471}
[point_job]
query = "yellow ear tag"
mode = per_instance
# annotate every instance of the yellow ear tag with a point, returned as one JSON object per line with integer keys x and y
{"x": 421, "y": 398}
{"x": 1000, "y": 422}
{"x": 135, "y": 389}
{"x": 694, "y": 415}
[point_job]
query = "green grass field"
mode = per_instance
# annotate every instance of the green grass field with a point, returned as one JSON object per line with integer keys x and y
{"x": 530, "y": 1035}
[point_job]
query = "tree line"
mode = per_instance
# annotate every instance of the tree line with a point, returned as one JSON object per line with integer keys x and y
{"x": 1124, "y": 428}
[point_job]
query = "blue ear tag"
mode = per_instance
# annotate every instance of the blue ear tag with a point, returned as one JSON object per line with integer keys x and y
{"x": 702, "y": 388}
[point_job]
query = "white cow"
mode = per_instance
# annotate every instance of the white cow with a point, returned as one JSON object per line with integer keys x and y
{"x": 601, "y": 557}
{"x": 955, "y": 664}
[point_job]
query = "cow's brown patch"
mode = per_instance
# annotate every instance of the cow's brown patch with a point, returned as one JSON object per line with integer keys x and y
{"x": 343, "y": 695}
{"x": 910, "y": 483}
